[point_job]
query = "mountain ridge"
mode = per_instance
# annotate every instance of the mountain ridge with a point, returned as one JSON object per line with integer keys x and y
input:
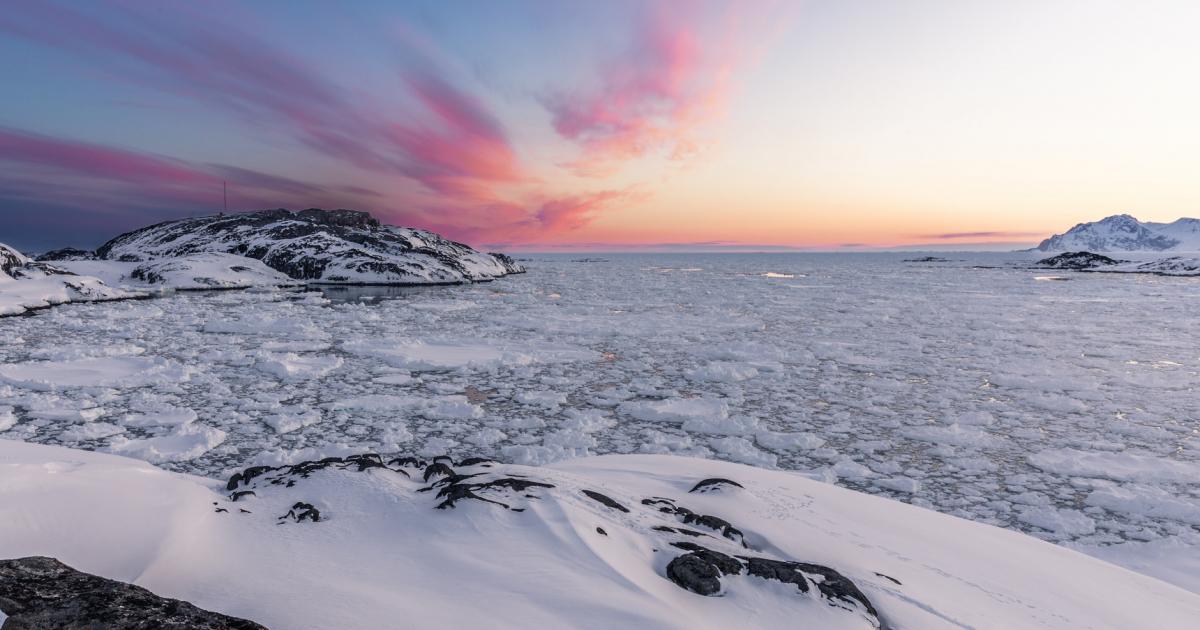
{"x": 1125, "y": 233}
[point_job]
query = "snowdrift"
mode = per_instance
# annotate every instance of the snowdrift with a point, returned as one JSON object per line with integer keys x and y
{"x": 599, "y": 542}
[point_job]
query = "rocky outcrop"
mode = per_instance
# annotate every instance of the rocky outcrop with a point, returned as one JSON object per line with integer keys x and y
{"x": 323, "y": 246}
{"x": 1077, "y": 260}
{"x": 67, "y": 253}
{"x": 705, "y": 552}
{"x": 27, "y": 285}
{"x": 1097, "y": 263}
{"x": 17, "y": 266}
{"x": 39, "y": 593}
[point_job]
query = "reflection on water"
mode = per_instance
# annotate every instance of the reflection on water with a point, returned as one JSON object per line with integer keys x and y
{"x": 372, "y": 292}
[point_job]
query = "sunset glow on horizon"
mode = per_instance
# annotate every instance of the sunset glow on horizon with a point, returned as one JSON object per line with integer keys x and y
{"x": 540, "y": 125}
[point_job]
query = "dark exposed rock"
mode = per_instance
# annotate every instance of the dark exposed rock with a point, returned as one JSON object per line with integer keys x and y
{"x": 714, "y": 483}
{"x": 678, "y": 530}
{"x": 436, "y": 469}
{"x": 600, "y": 498}
{"x": 475, "y": 461}
{"x": 459, "y": 489}
{"x": 302, "y": 511}
{"x": 236, "y": 496}
{"x": 926, "y": 259}
{"x": 331, "y": 246}
{"x": 689, "y": 517}
{"x": 39, "y": 593}
{"x": 406, "y": 462}
{"x": 700, "y": 570}
{"x": 600, "y": 530}
{"x": 695, "y": 574}
{"x": 888, "y": 577}
{"x": 67, "y": 253}
{"x": 1077, "y": 260}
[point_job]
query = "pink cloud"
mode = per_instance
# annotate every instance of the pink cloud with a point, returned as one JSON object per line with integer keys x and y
{"x": 673, "y": 77}
{"x": 51, "y": 170}
{"x": 95, "y": 160}
{"x": 464, "y": 152}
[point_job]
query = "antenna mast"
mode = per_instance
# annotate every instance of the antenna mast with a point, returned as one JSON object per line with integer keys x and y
{"x": 225, "y": 194}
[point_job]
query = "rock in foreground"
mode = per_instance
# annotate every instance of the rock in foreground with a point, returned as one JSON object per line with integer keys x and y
{"x": 38, "y": 593}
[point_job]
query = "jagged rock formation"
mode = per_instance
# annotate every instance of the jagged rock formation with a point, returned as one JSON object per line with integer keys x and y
{"x": 39, "y": 593}
{"x": 327, "y": 246}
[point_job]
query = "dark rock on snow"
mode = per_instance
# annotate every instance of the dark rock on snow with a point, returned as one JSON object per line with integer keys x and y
{"x": 39, "y": 593}
{"x": 67, "y": 253}
{"x": 600, "y": 498}
{"x": 1077, "y": 260}
{"x": 698, "y": 569}
{"x": 715, "y": 483}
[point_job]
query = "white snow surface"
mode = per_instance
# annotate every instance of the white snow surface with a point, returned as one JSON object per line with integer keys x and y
{"x": 964, "y": 386}
{"x": 27, "y": 285}
{"x": 382, "y": 553}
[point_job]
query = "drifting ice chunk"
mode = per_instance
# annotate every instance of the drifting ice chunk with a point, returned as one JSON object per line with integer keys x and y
{"x": 189, "y": 442}
{"x": 108, "y": 372}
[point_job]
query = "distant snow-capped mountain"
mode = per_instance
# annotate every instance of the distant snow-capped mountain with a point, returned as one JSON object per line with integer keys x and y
{"x": 1123, "y": 233}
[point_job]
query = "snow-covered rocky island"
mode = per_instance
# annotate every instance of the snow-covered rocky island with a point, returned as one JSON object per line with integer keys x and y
{"x": 271, "y": 248}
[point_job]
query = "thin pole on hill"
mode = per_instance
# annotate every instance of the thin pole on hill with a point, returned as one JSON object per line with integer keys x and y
{"x": 225, "y": 194}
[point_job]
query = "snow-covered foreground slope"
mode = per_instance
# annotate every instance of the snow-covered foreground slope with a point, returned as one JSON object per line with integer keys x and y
{"x": 1123, "y": 233}
{"x": 379, "y": 550}
{"x": 334, "y": 246}
{"x": 27, "y": 285}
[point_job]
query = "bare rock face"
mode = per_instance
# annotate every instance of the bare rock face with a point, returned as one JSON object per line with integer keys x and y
{"x": 1077, "y": 260}
{"x": 39, "y": 593}
{"x": 314, "y": 245}
{"x": 67, "y": 253}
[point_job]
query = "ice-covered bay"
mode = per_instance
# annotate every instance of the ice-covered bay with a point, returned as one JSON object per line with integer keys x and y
{"x": 1065, "y": 409}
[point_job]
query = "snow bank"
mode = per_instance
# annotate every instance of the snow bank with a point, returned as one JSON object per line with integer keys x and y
{"x": 27, "y": 285}
{"x": 378, "y": 551}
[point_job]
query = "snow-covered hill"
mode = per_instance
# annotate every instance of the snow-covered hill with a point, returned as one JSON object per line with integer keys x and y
{"x": 26, "y": 284}
{"x": 598, "y": 542}
{"x": 331, "y": 246}
{"x": 1123, "y": 233}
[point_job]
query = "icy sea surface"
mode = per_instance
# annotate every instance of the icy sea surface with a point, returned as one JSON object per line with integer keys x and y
{"x": 1066, "y": 409}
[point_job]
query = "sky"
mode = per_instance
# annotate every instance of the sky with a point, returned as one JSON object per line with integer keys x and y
{"x": 616, "y": 125}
